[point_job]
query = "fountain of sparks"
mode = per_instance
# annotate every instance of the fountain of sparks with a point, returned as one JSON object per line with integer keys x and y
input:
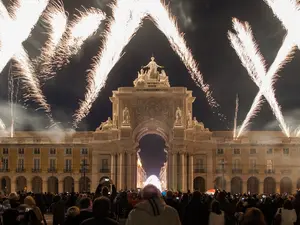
{"x": 154, "y": 181}
{"x": 127, "y": 19}
{"x": 246, "y": 48}
{"x": 235, "y": 116}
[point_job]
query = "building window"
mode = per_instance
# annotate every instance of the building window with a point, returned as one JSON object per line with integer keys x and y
{"x": 236, "y": 164}
{"x": 36, "y": 151}
{"x": 52, "y": 151}
{"x": 36, "y": 164}
{"x": 21, "y": 151}
{"x": 104, "y": 164}
{"x": 253, "y": 163}
{"x": 222, "y": 164}
{"x": 270, "y": 151}
{"x": 84, "y": 151}
{"x": 52, "y": 164}
{"x": 236, "y": 151}
{"x": 5, "y": 163}
{"x": 286, "y": 151}
{"x": 68, "y": 151}
{"x": 5, "y": 151}
{"x": 199, "y": 164}
{"x": 220, "y": 151}
{"x": 68, "y": 164}
{"x": 269, "y": 165}
{"x": 84, "y": 162}
{"x": 20, "y": 164}
{"x": 252, "y": 151}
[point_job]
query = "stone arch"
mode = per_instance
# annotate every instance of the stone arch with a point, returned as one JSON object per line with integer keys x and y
{"x": 269, "y": 185}
{"x": 6, "y": 185}
{"x": 298, "y": 183}
{"x": 286, "y": 185}
{"x": 53, "y": 184}
{"x": 68, "y": 184}
{"x": 21, "y": 183}
{"x": 199, "y": 184}
{"x": 236, "y": 185}
{"x": 151, "y": 126}
{"x": 37, "y": 185}
{"x": 253, "y": 185}
{"x": 220, "y": 183}
{"x": 84, "y": 184}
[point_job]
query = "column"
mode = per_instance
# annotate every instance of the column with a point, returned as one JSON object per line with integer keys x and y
{"x": 121, "y": 171}
{"x": 134, "y": 169}
{"x": 129, "y": 171}
{"x": 175, "y": 172}
{"x": 60, "y": 186}
{"x": 29, "y": 185}
{"x": 45, "y": 186}
{"x": 261, "y": 187}
{"x": 94, "y": 172}
{"x": 113, "y": 167}
{"x": 183, "y": 172}
{"x": 13, "y": 185}
{"x": 170, "y": 171}
{"x": 191, "y": 172}
{"x": 76, "y": 186}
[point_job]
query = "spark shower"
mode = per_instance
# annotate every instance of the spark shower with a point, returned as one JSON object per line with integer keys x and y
{"x": 65, "y": 39}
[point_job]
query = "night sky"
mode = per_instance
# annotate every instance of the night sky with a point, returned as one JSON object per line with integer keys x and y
{"x": 205, "y": 24}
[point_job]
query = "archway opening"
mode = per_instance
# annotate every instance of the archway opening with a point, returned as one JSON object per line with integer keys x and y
{"x": 153, "y": 159}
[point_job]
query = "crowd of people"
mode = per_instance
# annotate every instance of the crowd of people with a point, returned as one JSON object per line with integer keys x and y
{"x": 150, "y": 206}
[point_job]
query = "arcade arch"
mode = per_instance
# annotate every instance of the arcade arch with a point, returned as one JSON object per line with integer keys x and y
{"x": 21, "y": 183}
{"x": 236, "y": 185}
{"x": 68, "y": 184}
{"x": 253, "y": 185}
{"x": 286, "y": 185}
{"x": 269, "y": 185}
{"x": 53, "y": 184}
{"x": 220, "y": 183}
{"x": 6, "y": 184}
{"x": 37, "y": 185}
{"x": 84, "y": 184}
{"x": 199, "y": 184}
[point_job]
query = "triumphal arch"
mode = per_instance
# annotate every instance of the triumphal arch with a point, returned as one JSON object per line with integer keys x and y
{"x": 151, "y": 106}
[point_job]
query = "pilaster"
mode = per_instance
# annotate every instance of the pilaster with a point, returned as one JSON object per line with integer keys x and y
{"x": 182, "y": 171}
{"x": 113, "y": 167}
{"x": 129, "y": 181}
{"x": 45, "y": 185}
{"x": 191, "y": 172}
{"x": 60, "y": 186}
{"x": 170, "y": 171}
{"x": 76, "y": 186}
{"x": 175, "y": 171}
{"x": 120, "y": 171}
{"x": 210, "y": 178}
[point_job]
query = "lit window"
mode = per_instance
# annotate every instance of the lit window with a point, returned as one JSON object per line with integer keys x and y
{"x": 222, "y": 164}
{"x": 270, "y": 151}
{"x": 236, "y": 151}
{"x": 220, "y": 151}
{"x": 286, "y": 151}
{"x": 52, "y": 151}
{"x": 252, "y": 151}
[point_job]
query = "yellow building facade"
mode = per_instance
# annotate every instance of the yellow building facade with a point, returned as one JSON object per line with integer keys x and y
{"x": 197, "y": 158}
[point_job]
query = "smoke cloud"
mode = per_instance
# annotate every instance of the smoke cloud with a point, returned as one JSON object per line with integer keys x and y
{"x": 182, "y": 10}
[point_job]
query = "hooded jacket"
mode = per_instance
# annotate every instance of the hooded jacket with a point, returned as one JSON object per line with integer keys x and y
{"x": 153, "y": 211}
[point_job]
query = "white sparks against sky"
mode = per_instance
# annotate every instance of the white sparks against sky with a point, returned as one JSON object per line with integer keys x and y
{"x": 246, "y": 48}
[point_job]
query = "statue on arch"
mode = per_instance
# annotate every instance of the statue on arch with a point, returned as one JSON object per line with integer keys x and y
{"x": 178, "y": 116}
{"x": 152, "y": 72}
{"x": 189, "y": 120}
{"x": 126, "y": 116}
{"x": 198, "y": 125}
{"x": 107, "y": 125}
{"x": 115, "y": 120}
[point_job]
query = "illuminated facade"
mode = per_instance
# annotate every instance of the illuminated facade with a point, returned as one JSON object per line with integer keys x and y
{"x": 163, "y": 176}
{"x": 141, "y": 174}
{"x": 197, "y": 158}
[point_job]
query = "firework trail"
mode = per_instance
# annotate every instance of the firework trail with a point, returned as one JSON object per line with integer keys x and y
{"x": 84, "y": 26}
{"x": 122, "y": 27}
{"x": 246, "y": 48}
{"x": 25, "y": 16}
{"x": 26, "y": 71}
{"x": 288, "y": 13}
{"x": 11, "y": 89}
{"x": 127, "y": 20}
{"x": 2, "y": 125}
{"x": 235, "y": 116}
{"x": 55, "y": 18}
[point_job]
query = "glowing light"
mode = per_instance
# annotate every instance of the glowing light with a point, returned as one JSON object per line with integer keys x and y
{"x": 154, "y": 181}
{"x": 25, "y": 15}
{"x": 245, "y": 46}
{"x": 139, "y": 163}
{"x": 128, "y": 16}
{"x": 2, "y": 125}
{"x": 55, "y": 18}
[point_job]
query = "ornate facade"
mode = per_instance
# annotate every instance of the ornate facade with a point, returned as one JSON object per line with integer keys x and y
{"x": 197, "y": 157}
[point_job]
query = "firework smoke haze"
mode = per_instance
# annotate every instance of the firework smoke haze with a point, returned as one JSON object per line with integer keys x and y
{"x": 2, "y": 125}
{"x": 122, "y": 27}
{"x": 79, "y": 30}
{"x": 128, "y": 17}
{"x": 246, "y": 48}
{"x": 55, "y": 18}
{"x": 25, "y": 16}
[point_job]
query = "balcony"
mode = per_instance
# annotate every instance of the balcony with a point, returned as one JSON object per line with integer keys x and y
{"x": 286, "y": 171}
{"x": 237, "y": 171}
{"x": 84, "y": 170}
{"x": 200, "y": 170}
{"x": 269, "y": 171}
{"x": 68, "y": 170}
{"x": 20, "y": 170}
{"x": 4, "y": 170}
{"x": 253, "y": 171}
{"x": 104, "y": 170}
{"x": 220, "y": 171}
{"x": 52, "y": 170}
{"x": 36, "y": 170}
